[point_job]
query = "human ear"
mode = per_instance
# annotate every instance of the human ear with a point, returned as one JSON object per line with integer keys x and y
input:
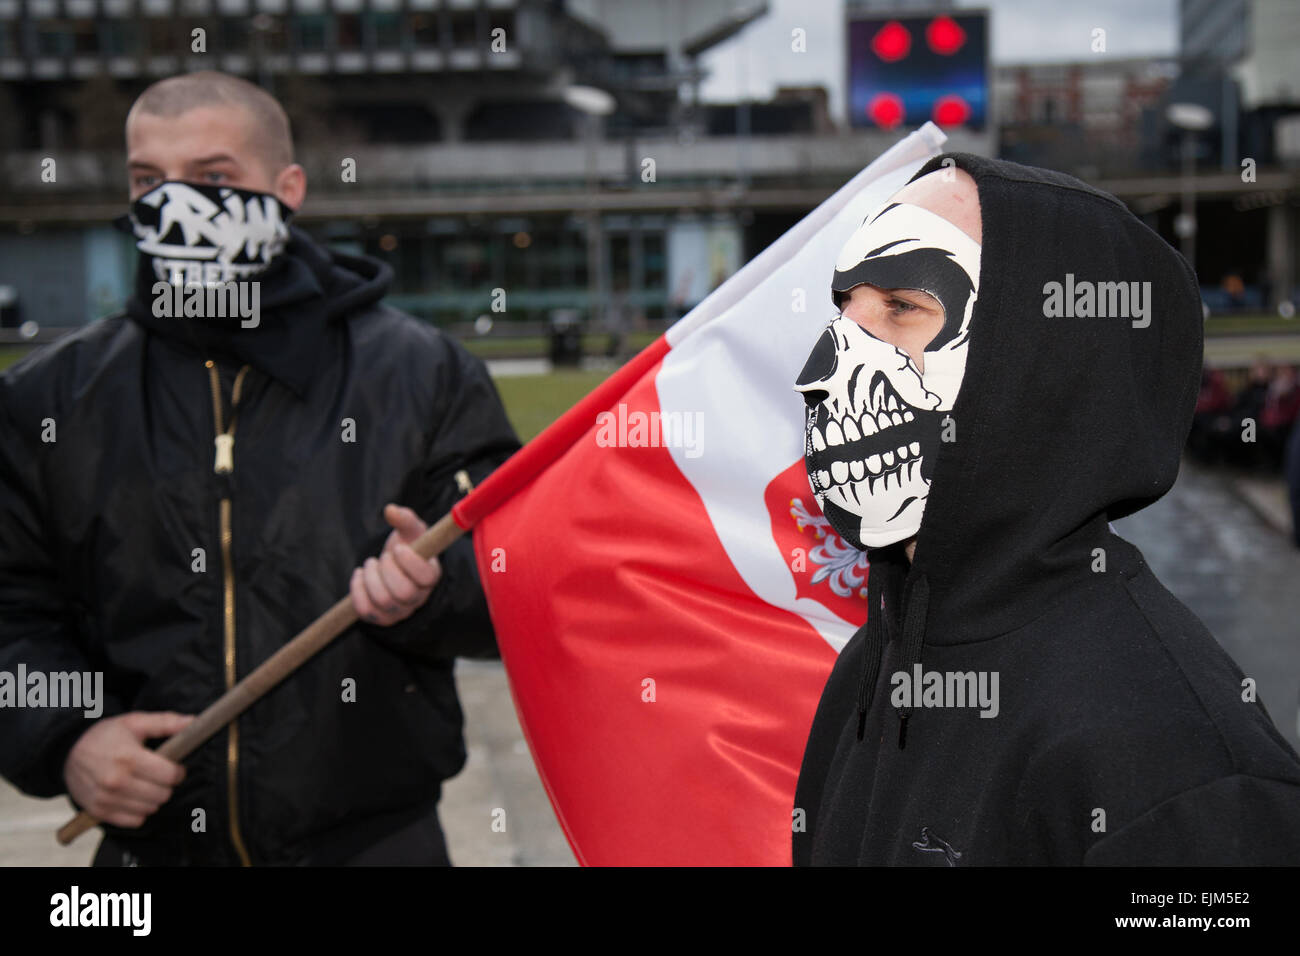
{"x": 291, "y": 186}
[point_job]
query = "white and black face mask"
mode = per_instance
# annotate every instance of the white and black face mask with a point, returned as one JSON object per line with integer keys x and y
{"x": 197, "y": 234}
{"x": 873, "y": 418}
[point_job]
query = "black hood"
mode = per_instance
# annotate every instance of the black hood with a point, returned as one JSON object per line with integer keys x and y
{"x": 304, "y": 293}
{"x": 1062, "y": 424}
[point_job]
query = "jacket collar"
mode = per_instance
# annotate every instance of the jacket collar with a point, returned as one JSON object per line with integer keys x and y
{"x": 293, "y": 325}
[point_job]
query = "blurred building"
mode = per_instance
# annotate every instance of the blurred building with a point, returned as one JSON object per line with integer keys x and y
{"x": 473, "y": 172}
{"x": 1094, "y": 118}
{"x": 1106, "y": 120}
{"x": 354, "y": 76}
{"x": 1213, "y": 30}
{"x": 1240, "y": 60}
{"x": 854, "y": 7}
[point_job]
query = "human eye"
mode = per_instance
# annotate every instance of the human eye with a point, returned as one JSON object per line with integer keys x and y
{"x": 897, "y": 306}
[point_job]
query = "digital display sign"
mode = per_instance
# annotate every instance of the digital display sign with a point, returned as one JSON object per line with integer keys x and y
{"x": 906, "y": 70}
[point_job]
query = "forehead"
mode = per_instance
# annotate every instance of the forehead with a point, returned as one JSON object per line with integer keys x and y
{"x": 194, "y": 134}
{"x": 950, "y": 193}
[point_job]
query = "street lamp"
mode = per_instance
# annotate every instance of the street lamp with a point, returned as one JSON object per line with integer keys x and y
{"x": 263, "y": 25}
{"x": 589, "y": 100}
{"x": 594, "y": 104}
{"x": 1191, "y": 118}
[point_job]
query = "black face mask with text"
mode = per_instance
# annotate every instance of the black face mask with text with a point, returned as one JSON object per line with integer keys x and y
{"x": 197, "y": 234}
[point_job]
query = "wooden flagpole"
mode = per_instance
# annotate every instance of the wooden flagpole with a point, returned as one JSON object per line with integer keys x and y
{"x": 274, "y": 669}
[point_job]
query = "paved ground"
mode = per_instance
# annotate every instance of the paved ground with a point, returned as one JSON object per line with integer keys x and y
{"x": 1210, "y": 544}
{"x": 499, "y": 774}
{"x": 1228, "y": 559}
{"x": 27, "y": 832}
{"x": 1269, "y": 498}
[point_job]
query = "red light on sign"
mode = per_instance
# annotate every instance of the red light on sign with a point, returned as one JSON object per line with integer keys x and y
{"x": 886, "y": 109}
{"x": 951, "y": 111}
{"x": 892, "y": 42}
{"x": 945, "y": 36}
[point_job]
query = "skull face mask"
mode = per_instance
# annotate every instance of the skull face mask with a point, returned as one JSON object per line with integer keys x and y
{"x": 202, "y": 234}
{"x": 873, "y": 417}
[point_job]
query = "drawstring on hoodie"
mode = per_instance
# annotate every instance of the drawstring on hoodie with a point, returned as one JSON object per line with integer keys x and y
{"x": 875, "y": 640}
{"x": 875, "y": 643}
{"x": 917, "y": 606}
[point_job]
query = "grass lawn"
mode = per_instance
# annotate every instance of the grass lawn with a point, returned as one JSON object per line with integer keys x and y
{"x": 537, "y": 346}
{"x": 10, "y": 354}
{"x": 534, "y": 401}
{"x": 1250, "y": 325}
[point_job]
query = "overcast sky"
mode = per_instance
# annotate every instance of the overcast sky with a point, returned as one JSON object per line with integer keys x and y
{"x": 759, "y": 58}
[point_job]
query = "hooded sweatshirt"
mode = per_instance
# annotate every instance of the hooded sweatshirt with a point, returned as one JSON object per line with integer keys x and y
{"x": 1067, "y": 709}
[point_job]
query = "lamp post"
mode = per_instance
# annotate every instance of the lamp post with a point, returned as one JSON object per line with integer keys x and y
{"x": 594, "y": 104}
{"x": 262, "y": 26}
{"x": 1191, "y": 118}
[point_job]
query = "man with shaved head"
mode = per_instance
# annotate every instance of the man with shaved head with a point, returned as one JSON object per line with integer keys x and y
{"x": 257, "y": 433}
{"x": 265, "y": 133}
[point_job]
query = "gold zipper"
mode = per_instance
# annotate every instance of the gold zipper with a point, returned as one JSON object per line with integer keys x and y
{"x": 224, "y": 465}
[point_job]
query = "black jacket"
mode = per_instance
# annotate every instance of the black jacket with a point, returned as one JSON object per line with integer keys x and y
{"x": 112, "y": 559}
{"x": 1123, "y": 732}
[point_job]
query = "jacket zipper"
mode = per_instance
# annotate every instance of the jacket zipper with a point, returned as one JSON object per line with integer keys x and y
{"x": 224, "y": 464}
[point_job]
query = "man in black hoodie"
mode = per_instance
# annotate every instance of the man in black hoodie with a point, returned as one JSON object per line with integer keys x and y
{"x": 184, "y": 487}
{"x": 1016, "y": 365}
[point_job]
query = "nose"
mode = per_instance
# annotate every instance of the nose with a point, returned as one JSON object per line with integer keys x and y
{"x": 814, "y": 397}
{"x": 821, "y": 364}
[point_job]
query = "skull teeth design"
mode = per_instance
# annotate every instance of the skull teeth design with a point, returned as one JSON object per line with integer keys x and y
{"x": 879, "y": 442}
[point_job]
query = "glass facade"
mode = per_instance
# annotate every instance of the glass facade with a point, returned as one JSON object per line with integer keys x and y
{"x": 148, "y": 28}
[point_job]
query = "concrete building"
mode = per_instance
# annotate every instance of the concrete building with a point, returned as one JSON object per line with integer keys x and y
{"x": 1105, "y": 120}
{"x": 1240, "y": 59}
{"x": 1093, "y": 118}
{"x": 473, "y": 172}
{"x": 1213, "y": 30}
{"x": 349, "y": 73}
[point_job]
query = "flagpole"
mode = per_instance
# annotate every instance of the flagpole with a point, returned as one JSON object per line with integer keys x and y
{"x": 308, "y": 642}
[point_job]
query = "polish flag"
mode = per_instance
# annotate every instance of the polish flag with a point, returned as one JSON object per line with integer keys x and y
{"x": 667, "y": 596}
